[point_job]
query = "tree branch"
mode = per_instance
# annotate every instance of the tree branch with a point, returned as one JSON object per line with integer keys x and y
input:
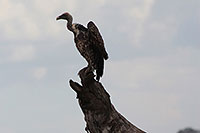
{"x": 100, "y": 114}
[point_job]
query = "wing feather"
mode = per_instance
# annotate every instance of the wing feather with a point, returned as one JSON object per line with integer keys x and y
{"x": 97, "y": 39}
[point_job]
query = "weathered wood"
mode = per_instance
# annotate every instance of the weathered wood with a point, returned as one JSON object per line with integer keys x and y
{"x": 100, "y": 114}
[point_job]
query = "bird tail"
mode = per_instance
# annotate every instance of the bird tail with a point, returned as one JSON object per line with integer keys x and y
{"x": 99, "y": 69}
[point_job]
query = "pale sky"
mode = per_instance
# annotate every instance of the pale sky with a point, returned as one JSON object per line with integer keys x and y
{"x": 152, "y": 75}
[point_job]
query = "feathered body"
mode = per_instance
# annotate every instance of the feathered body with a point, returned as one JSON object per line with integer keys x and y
{"x": 89, "y": 43}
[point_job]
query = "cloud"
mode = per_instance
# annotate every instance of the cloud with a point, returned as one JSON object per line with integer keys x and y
{"x": 148, "y": 110}
{"x": 39, "y": 73}
{"x": 22, "y": 53}
{"x": 149, "y": 67}
{"x": 161, "y": 90}
{"x": 170, "y": 71}
{"x": 6, "y": 130}
{"x": 160, "y": 33}
{"x": 17, "y": 53}
{"x": 141, "y": 9}
{"x": 140, "y": 13}
{"x": 31, "y": 21}
{"x": 16, "y": 21}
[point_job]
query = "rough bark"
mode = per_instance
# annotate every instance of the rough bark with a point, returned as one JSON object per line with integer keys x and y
{"x": 100, "y": 114}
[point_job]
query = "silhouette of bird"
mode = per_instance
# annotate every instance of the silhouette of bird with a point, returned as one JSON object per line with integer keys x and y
{"x": 89, "y": 43}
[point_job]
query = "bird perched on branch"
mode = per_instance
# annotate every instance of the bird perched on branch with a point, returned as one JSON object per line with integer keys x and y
{"x": 89, "y": 43}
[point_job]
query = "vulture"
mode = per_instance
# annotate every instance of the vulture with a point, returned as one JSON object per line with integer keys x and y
{"x": 89, "y": 43}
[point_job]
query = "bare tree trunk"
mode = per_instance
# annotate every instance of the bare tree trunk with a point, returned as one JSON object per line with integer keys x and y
{"x": 100, "y": 114}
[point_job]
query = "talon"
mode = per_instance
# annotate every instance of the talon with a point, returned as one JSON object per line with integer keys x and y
{"x": 88, "y": 70}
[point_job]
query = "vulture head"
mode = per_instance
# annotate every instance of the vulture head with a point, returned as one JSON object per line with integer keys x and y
{"x": 68, "y": 17}
{"x": 65, "y": 16}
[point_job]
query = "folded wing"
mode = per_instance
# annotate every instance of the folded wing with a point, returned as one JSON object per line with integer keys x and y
{"x": 97, "y": 39}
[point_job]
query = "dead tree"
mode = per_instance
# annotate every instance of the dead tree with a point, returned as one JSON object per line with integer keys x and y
{"x": 100, "y": 114}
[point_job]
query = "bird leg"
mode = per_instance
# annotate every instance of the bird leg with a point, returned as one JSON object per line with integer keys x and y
{"x": 89, "y": 69}
{"x": 86, "y": 74}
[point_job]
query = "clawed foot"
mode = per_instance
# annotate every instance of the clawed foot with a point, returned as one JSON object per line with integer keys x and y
{"x": 86, "y": 74}
{"x": 88, "y": 70}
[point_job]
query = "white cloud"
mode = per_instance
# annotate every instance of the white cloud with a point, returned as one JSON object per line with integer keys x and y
{"x": 173, "y": 71}
{"x": 22, "y": 53}
{"x": 148, "y": 109}
{"x": 39, "y": 73}
{"x": 141, "y": 9}
{"x": 32, "y": 21}
{"x": 16, "y": 21}
{"x": 10, "y": 10}
{"x": 17, "y": 53}
{"x": 6, "y": 130}
{"x": 151, "y": 82}
{"x": 140, "y": 13}
{"x": 161, "y": 90}
{"x": 160, "y": 32}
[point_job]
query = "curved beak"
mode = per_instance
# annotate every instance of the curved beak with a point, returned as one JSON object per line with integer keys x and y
{"x": 59, "y": 17}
